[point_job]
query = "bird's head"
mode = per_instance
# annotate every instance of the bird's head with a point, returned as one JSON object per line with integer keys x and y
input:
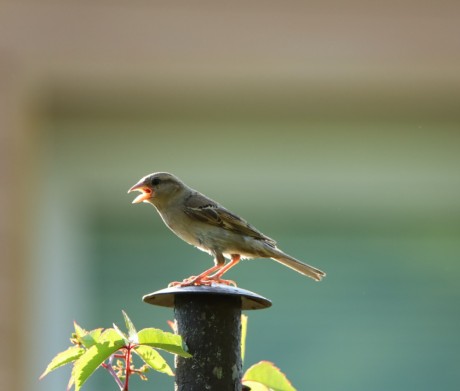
{"x": 156, "y": 187}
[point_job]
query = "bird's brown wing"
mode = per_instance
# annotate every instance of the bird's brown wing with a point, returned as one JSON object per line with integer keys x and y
{"x": 210, "y": 212}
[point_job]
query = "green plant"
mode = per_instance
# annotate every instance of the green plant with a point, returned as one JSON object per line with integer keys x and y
{"x": 113, "y": 350}
{"x": 265, "y": 376}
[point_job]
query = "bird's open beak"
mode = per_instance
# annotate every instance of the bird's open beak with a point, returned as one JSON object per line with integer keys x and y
{"x": 146, "y": 192}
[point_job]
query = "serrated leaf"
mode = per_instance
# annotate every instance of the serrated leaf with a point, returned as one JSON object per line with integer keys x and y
{"x": 79, "y": 330}
{"x": 153, "y": 359}
{"x": 63, "y": 358}
{"x": 87, "y": 338}
{"x": 244, "y": 329}
{"x": 91, "y": 338}
{"x": 160, "y": 339}
{"x": 111, "y": 335}
{"x": 132, "y": 333}
{"x": 269, "y": 375}
{"x": 84, "y": 367}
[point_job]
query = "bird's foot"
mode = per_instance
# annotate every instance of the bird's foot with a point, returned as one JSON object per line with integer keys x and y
{"x": 179, "y": 284}
{"x": 190, "y": 281}
{"x": 217, "y": 280}
{"x": 200, "y": 281}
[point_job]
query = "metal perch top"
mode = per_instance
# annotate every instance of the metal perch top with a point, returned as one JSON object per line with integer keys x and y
{"x": 249, "y": 300}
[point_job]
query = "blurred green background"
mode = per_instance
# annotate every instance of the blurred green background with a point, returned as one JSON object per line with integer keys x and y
{"x": 333, "y": 129}
{"x": 373, "y": 203}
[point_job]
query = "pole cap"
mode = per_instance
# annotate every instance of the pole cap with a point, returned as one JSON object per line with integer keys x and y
{"x": 249, "y": 300}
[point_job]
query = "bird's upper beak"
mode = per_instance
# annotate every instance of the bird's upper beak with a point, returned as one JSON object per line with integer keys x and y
{"x": 146, "y": 192}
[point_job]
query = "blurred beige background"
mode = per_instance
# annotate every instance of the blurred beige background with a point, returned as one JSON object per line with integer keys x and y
{"x": 333, "y": 127}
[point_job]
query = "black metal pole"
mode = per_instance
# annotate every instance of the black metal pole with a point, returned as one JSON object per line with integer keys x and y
{"x": 211, "y": 327}
{"x": 209, "y": 321}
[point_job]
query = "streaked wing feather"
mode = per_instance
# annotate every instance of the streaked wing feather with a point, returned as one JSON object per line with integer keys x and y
{"x": 210, "y": 212}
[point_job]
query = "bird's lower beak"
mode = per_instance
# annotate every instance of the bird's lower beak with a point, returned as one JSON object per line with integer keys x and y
{"x": 146, "y": 192}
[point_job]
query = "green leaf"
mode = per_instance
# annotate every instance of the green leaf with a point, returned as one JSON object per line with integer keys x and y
{"x": 244, "y": 329}
{"x": 160, "y": 339}
{"x": 153, "y": 359}
{"x": 87, "y": 338}
{"x": 110, "y": 341}
{"x": 91, "y": 338}
{"x": 79, "y": 330}
{"x": 71, "y": 382}
{"x": 63, "y": 358}
{"x": 111, "y": 336}
{"x": 121, "y": 333}
{"x": 132, "y": 333}
{"x": 270, "y": 376}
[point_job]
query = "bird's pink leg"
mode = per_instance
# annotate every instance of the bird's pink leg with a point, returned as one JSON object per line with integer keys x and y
{"x": 201, "y": 279}
{"x": 217, "y": 277}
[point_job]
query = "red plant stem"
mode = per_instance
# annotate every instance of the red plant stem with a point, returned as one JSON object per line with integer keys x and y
{"x": 127, "y": 366}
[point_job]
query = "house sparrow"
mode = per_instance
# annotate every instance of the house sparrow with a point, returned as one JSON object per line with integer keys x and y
{"x": 210, "y": 227}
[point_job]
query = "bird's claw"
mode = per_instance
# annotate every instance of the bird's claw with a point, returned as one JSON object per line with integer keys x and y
{"x": 204, "y": 281}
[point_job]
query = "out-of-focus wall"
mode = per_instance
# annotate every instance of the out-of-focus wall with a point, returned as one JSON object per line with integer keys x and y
{"x": 333, "y": 127}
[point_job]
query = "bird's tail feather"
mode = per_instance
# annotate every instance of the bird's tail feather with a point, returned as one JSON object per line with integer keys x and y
{"x": 299, "y": 266}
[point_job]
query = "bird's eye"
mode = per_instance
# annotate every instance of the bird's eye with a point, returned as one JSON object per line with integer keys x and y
{"x": 155, "y": 181}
